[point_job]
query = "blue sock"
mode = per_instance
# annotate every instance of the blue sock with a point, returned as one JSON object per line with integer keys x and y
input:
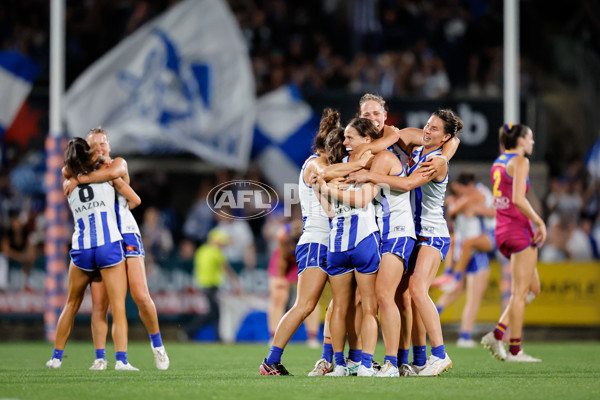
{"x": 419, "y": 355}
{"x": 458, "y": 276}
{"x": 439, "y": 309}
{"x": 274, "y": 355}
{"x": 403, "y": 356}
{"x": 121, "y": 356}
{"x": 327, "y": 352}
{"x": 439, "y": 352}
{"x": 392, "y": 359}
{"x": 465, "y": 335}
{"x": 156, "y": 340}
{"x": 58, "y": 354}
{"x": 355, "y": 355}
{"x": 101, "y": 353}
{"x": 340, "y": 358}
{"x": 367, "y": 360}
{"x": 448, "y": 271}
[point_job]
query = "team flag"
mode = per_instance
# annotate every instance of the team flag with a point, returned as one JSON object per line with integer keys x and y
{"x": 592, "y": 161}
{"x": 17, "y": 74}
{"x": 284, "y": 133}
{"x": 182, "y": 82}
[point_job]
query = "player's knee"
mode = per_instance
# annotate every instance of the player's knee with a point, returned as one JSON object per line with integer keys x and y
{"x": 306, "y": 308}
{"x": 466, "y": 246}
{"x": 405, "y": 306}
{"x": 99, "y": 310}
{"x": 416, "y": 290}
{"x": 141, "y": 297}
{"x": 385, "y": 300}
{"x": 369, "y": 306}
{"x": 519, "y": 296}
{"x": 73, "y": 304}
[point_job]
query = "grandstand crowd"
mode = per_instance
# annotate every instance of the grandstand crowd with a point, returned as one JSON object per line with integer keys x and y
{"x": 397, "y": 48}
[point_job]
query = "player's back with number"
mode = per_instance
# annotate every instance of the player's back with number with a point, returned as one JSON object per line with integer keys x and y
{"x": 93, "y": 208}
{"x": 508, "y": 215}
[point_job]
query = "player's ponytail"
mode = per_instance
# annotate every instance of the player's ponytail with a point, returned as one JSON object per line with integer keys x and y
{"x": 510, "y": 134}
{"x": 334, "y": 145}
{"x": 329, "y": 121}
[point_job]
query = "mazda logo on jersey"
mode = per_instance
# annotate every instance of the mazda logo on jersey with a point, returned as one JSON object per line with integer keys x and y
{"x": 242, "y": 199}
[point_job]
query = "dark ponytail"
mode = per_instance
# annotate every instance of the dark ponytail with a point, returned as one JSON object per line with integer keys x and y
{"x": 334, "y": 145}
{"x": 510, "y": 134}
{"x": 329, "y": 120}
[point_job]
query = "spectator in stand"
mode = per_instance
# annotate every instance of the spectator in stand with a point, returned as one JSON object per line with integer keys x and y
{"x": 436, "y": 82}
{"x": 567, "y": 240}
{"x": 16, "y": 244}
{"x": 241, "y": 251}
{"x": 156, "y": 237}
{"x": 200, "y": 219}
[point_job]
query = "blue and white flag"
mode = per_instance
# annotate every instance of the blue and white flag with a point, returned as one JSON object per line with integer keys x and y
{"x": 592, "y": 161}
{"x": 17, "y": 74}
{"x": 182, "y": 82}
{"x": 283, "y": 136}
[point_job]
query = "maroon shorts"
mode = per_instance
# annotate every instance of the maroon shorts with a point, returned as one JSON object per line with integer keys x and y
{"x": 291, "y": 273}
{"x": 515, "y": 240}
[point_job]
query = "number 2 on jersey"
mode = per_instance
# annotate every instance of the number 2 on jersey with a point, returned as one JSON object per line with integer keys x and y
{"x": 497, "y": 176}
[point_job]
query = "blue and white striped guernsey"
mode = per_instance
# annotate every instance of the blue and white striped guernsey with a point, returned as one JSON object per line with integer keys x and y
{"x": 350, "y": 224}
{"x": 402, "y": 155}
{"x": 93, "y": 208}
{"x": 393, "y": 210}
{"x": 427, "y": 201}
{"x": 315, "y": 221}
{"x": 125, "y": 219}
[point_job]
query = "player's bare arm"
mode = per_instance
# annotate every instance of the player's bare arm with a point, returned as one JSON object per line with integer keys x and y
{"x": 133, "y": 200}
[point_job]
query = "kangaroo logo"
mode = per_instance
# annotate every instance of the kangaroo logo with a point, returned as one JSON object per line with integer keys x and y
{"x": 169, "y": 90}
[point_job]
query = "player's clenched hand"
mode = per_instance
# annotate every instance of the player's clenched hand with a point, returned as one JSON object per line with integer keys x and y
{"x": 69, "y": 185}
{"x": 360, "y": 176}
{"x": 432, "y": 166}
{"x": 540, "y": 235}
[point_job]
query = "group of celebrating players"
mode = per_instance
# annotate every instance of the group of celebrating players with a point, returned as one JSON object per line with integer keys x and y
{"x": 372, "y": 199}
{"x": 106, "y": 252}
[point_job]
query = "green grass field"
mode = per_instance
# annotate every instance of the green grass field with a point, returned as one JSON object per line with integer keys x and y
{"x": 207, "y": 371}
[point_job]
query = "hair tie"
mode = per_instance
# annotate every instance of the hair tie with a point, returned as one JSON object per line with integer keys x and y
{"x": 508, "y": 127}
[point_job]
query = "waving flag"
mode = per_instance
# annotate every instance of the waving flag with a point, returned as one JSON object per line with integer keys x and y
{"x": 17, "y": 74}
{"x": 284, "y": 133}
{"x": 592, "y": 161}
{"x": 182, "y": 82}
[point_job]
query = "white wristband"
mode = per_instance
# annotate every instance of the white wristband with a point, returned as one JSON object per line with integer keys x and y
{"x": 441, "y": 156}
